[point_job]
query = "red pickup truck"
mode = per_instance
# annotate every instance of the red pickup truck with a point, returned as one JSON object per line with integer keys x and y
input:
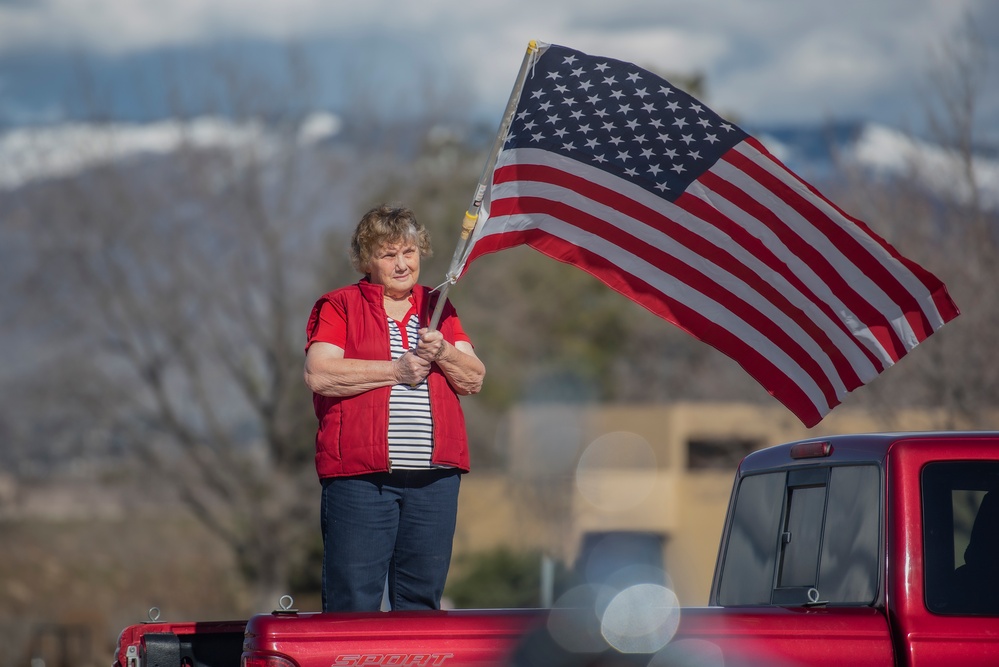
{"x": 856, "y": 550}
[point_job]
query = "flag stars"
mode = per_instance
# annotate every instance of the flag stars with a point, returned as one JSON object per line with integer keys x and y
{"x": 619, "y": 118}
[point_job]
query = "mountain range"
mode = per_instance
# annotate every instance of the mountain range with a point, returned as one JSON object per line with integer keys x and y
{"x": 817, "y": 153}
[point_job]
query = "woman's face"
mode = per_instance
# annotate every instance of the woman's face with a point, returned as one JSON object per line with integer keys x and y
{"x": 396, "y": 267}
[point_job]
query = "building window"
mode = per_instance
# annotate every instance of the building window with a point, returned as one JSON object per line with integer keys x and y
{"x": 719, "y": 453}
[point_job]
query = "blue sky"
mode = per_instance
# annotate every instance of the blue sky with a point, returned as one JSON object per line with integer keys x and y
{"x": 799, "y": 61}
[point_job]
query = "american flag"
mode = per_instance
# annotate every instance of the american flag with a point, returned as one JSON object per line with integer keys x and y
{"x": 611, "y": 168}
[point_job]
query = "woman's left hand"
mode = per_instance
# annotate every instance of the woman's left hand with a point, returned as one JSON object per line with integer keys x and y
{"x": 431, "y": 345}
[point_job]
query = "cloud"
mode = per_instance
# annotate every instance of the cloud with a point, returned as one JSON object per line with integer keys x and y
{"x": 762, "y": 59}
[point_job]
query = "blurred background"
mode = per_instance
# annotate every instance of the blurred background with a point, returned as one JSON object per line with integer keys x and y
{"x": 176, "y": 187}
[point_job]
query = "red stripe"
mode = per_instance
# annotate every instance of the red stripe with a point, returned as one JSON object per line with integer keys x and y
{"x": 683, "y": 272}
{"x": 700, "y": 246}
{"x": 944, "y": 305}
{"x": 775, "y": 381}
{"x": 942, "y": 302}
{"x": 932, "y": 284}
{"x": 849, "y": 246}
{"x": 873, "y": 318}
{"x": 711, "y": 215}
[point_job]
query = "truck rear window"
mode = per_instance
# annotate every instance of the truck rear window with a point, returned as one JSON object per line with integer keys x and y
{"x": 804, "y": 535}
{"x": 961, "y": 537}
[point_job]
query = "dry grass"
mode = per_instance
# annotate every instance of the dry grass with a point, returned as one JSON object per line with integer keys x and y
{"x": 72, "y": 584}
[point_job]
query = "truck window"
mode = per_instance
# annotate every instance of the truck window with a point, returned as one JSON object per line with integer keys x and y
{"x": 807, "y": 528}
{"x": 748, "y": 565}
{"x": 802, "y": 533}
{"x": 961, "y": 537}
{"x": 852, "y": 543}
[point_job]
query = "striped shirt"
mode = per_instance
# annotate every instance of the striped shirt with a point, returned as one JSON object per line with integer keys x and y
{"x": 411, "y": 426}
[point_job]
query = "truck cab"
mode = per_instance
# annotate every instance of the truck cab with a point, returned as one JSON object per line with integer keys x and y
{"x": 891, "y": 540}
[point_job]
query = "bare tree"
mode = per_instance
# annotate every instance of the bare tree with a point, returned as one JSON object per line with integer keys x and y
{"x": 938, "y": 215}
{"x": 168, "y": 296}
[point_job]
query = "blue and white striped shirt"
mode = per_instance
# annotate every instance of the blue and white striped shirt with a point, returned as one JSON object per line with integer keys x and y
{"x": 411, "y": 426}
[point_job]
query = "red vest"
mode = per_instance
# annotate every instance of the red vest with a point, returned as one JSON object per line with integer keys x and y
{"x": 352, "y": 438}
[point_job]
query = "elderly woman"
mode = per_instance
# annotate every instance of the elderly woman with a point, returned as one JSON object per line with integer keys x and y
{"x": 391, "y": 443}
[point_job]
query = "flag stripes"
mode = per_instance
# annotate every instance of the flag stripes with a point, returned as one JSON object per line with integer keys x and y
{"x": 694, "y": 266}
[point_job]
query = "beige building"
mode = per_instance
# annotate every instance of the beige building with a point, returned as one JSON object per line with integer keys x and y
{"x": 600, "y": 486}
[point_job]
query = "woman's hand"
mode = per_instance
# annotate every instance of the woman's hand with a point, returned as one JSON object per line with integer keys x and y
{"x": 464, "y": 370}
{"x": 431, "y": 345}
{"x": 411, "y": 368}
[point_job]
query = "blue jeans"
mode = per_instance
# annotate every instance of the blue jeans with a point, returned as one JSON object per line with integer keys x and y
{"x": 397, "y": 525}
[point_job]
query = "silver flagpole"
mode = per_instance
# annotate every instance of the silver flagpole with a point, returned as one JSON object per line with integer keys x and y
{"x": 472, "y": 214}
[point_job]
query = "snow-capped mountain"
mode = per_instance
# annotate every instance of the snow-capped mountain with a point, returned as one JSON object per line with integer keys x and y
{"x": 883, "y": 153}
{"x": 32, "y": 153}
{"x": 815, "y": 152}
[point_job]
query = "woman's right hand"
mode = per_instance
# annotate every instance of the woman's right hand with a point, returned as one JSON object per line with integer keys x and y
{"x": 411, "y": 369}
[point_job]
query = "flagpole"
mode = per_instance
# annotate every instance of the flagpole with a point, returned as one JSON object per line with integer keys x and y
{"x": 472, "y": 214}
